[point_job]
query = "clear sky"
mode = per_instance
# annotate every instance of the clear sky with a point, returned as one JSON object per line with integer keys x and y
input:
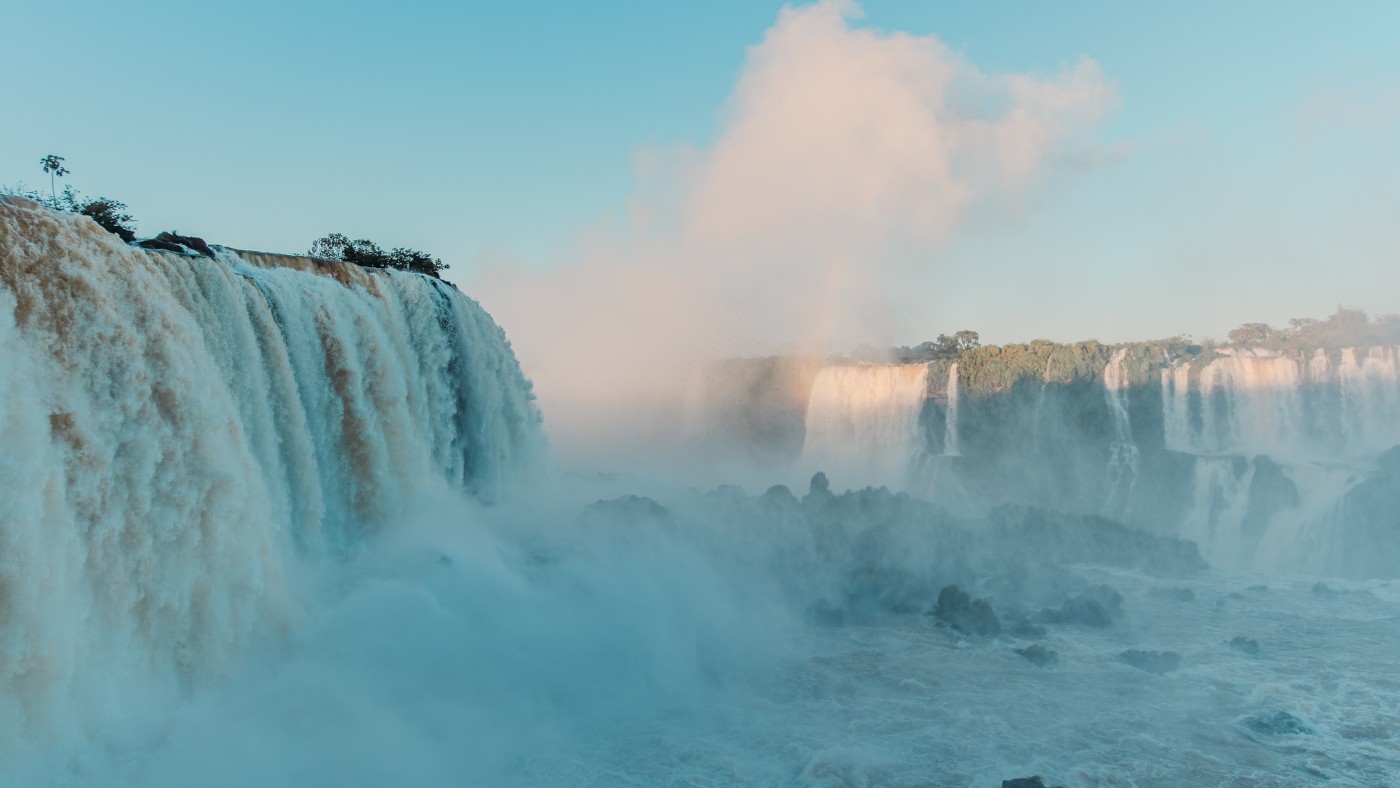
{"x": 1245, "y": 167}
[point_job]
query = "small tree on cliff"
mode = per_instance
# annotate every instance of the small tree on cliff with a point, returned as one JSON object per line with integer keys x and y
{"x": 53, "y": 167}
{"x": 111, "y": 215}
{"x": 360, "y": 251}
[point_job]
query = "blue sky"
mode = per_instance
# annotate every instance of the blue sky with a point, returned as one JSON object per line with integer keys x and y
{"x": 1257, "y": 179}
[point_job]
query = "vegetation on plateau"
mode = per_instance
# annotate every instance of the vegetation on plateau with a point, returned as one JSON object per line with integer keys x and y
{"x": 113, "y": 217}
{"x": 369, "y": 254}
{"x": 110, "y": 214}
{"x": 984, "y": 369}
{"x": 1344, "y": 328}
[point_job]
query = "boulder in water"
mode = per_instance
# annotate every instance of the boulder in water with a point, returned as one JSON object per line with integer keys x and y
{"x": 966, "y": 614}
{"x": 1039, "y": 655}
{"x": 1247, "y": 645}
{"x": 1158, "y": 662}
{"x": 1026, "y": 782}
{"x": 1278, "y": 724}
{"x": 1097, "y": 607}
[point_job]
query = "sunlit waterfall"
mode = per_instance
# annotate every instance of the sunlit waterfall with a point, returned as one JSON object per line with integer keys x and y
{"x": 1341, "y": 406}
{"x": 951, "y": 445}
{"x": 177, "y": 429}
{"x": 1123, "y": 452}
{"x": 862, "y": 424}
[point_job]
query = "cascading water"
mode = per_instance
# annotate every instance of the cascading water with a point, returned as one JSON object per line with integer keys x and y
{"x": 1123, "y": 452}
{"x": 1324, "y": 416}
{"x": 1257, "y": 402}
{"x": 177, "y": 429}
{"x": 863, "y": 421}
{"x": 951, "y": 445}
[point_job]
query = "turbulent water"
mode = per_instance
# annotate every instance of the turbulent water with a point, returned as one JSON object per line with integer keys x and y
{"x": 268, "y": 520}
{"x": 178, "y": 430}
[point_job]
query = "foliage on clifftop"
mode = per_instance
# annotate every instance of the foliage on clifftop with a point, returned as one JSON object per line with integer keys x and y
{"x": 368, "y": 254}
{"x": 109, "y": 214}
{"x": 994, "y": 368}
{"x": 986, "y": 369}
{"x": 1344, "y": 328}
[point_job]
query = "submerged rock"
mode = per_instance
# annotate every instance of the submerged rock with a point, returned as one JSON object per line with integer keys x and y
{"x": 1026, "y": 782}
{"x": 965, "y": 614}
{"x": 1278, "y": 724}
{"x": 1322, "y": 589}
{"x": 1097, "y": 607}
{"x": 1039, "y": 655}
{"x": 1247, "y": 645}
{"x": 1017, "y": 625}
{"x": 1158, "y": 662}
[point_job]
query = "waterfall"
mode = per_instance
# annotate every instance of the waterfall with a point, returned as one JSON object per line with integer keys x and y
{"x": 951, "y": 446}
{"x": 177, "y": 429}
{"x": 1123, "y": 452}
{"x": 863, "y": 422}
{"x": 1260, "y": 402}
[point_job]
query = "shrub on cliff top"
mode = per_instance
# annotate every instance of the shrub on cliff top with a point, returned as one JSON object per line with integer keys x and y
{"x": 360, "y": 251}
{"x": 109, "y": 214}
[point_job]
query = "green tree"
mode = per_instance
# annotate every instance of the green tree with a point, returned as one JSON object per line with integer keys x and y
{"x": 53, "y": 167}
{"x": 111, "y": 215}
{"x": 1252, "y": 334}
{"x": 363, "y": 252}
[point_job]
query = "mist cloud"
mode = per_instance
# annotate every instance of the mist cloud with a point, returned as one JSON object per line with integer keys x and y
{"x": 845, "y": 156}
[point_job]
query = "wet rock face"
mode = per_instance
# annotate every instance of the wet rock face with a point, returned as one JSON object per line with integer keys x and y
{"x": 1244, "y": 644}
{"x": 1278, "y": 724}
{"x": 1026, "y": 782}
{"x": 1158, "y": 662}
{"x": 180, "y": 244}
{"x": 1039, "y": 655}
{"x": 1097, "y": 607}
{"x": 965, "y": 614}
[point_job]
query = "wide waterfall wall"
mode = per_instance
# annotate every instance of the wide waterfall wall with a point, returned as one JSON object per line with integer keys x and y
{"x": 1314, "y": 424}
{"x": 1340, "y": 405}
{"x": 862, "y": 422}
{"x": 1267, "y": 459}
{"x": 1253, "y": 454}
{"x": 177, "y": 429}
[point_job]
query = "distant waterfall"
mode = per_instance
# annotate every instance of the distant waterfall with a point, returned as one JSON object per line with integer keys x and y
{"x": 1123, "y": 452}
{"x": 176, "y": 429}
{"x": 951, "y": 445}
{"x": 1338, "y": 407}
{"x": 1321, "y": 417}
{"x": 862, "y": 422}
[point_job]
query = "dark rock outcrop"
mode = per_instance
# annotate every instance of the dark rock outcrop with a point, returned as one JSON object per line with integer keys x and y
{"x": 966, "y": 614}
{"x": 1097, "y": 607}
{"x": 1071, "y": 539}
{"x": 180, "y": 244}
{"x": 1247, "y": 645}
{"x": 1026, "y": 782}
{"x": 1277, "y": 724}
{"x": 1039, "y": 655}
